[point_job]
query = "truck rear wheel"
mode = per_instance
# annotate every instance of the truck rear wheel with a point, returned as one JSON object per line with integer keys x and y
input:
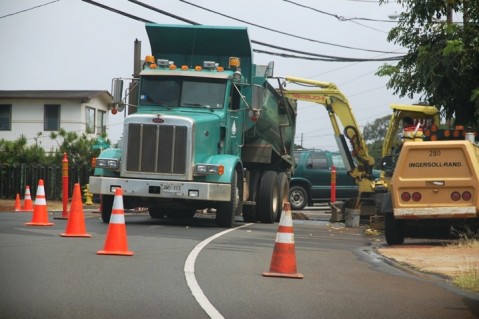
{"x": 226, "y": 211}
{"x": 393, "y": 230}
{"x": 283, "y": 184}
{"x": 106, "y": 207}
{"x": 268, "y": 203}
{"x": 298, "y": 197}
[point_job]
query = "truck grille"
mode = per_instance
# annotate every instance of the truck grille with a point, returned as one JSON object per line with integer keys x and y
{"x": 156, "y": 148}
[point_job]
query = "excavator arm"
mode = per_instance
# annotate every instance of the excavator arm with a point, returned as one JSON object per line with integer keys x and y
{"x": 338, "y": 108}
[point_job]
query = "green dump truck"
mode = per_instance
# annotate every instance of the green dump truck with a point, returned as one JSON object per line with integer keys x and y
{"x": 208, "y": 132}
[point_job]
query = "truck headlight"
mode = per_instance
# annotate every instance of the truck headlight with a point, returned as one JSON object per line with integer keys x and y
{"x": 107, "y": 163}
{"x": 209, "y": 169}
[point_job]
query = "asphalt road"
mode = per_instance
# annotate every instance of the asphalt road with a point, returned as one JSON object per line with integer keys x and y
{"x": 44, "y": 275}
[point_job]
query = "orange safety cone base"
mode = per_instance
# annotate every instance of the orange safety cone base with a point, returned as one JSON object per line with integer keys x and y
{"x": 74, "y": 235}
{"x": 117, "y": 253}
{"x": 60, "y": 217}
{"x": 39, "y": 224}
{"x": 277, "y": 274}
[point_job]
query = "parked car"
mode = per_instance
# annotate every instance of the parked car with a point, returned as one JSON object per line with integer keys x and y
{"x": 311, "y": 182}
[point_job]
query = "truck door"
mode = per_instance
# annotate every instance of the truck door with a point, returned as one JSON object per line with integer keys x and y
{"x": 235, "y": 121}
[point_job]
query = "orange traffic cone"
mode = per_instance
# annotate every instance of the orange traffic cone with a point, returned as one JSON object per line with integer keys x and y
{"x": 27, "y": 202}
{"x": 116, "y": 243}
{"x": 76, "y": 220}
{"x": 283, "y": 262}
{"x": 40, "y": 212}
{"x": 17, "y": 203}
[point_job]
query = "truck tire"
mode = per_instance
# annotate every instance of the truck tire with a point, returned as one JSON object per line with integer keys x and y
{"x": 283, "y": 184}
{"x": 393, "y": 231}
{"x": 106, "y": 207}
{"x": 156, "y": 212}
{"x": 226, "y": 211}
{"x": 298, "y": 197}
{"x": 250, "y": 212}
{"x": 268, "y": 202}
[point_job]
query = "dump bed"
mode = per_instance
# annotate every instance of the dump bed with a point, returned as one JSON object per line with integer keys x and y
{"x": 436, "y": 180}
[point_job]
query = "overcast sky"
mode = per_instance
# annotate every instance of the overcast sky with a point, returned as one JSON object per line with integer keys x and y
{"x": 73, "y": 45}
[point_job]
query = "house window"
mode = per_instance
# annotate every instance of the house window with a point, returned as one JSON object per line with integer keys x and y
{"x": 101, "y": 122}
{"x": 5, "y": 117}
{"x": 51, "y": 117}
{"x": 90, "y": 120}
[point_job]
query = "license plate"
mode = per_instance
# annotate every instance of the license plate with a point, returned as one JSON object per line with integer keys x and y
{"x": 171, "y": 188}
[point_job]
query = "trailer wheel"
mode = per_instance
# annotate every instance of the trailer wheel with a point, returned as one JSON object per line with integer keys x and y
{"x": 268, "y": 197}
{"x": 226, "y": 211}
{"x": 283, "y": 184}
{"x": 250, "y": 212}
{"x": 298, "y": 197}
{"x": 106, "y": 207}
{"x": 393, "y": 231}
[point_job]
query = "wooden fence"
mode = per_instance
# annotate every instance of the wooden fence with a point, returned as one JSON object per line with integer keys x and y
{"x": 15, "y": 178}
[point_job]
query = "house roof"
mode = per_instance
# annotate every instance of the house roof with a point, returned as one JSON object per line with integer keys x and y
{"x": 54, "y": 94}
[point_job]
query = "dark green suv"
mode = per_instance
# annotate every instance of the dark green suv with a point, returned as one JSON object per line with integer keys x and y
{"x": 311, "y": 182}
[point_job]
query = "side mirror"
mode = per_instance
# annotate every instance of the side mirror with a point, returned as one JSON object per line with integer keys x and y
{"x": 269, "y": 70}
{"x": 117, "y": 93}
{"x": 258, "y": 96}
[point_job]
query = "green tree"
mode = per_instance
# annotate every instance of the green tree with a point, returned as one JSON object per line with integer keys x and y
{"x": 17, "y": 152}
{"x": 79, "y": 148}
{"x": 442, "y": 61}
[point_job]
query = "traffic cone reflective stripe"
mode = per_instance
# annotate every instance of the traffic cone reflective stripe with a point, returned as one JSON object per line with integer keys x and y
{"x": 283, "y": 261}
{"x": 17, "y": 203}
{"x": 116, "y": 241}
{"x": 40, "y": 212}
{"x": 27, "y": 202}
{"x": 76, "y": 220}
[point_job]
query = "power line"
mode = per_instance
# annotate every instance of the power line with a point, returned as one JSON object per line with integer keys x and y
{"x": 340, "y": 18}
{"x": 117, "y": 11}
{"x": 314, "y": 56}
{"x": 281, "y": 32}
{"x": 21, "y": 11}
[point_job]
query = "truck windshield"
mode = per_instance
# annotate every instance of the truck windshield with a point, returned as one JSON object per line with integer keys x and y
{"x": 183, "y": 91}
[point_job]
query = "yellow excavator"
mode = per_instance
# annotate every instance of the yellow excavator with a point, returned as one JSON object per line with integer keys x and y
{"x": 358, "y": 162}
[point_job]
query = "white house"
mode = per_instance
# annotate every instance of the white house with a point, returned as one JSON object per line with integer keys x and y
{"x": 45, "y": 111}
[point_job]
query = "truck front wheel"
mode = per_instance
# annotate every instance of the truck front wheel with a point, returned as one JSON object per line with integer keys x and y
{"x": 226, "y": 211}
{"x": 393, "y": 230}
{"x": 106, "y": 207}
{"x": 298, "y": 197}
{"x": 268, "y": 205}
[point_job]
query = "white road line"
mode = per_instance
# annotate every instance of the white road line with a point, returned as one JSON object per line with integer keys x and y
{"x": 189, "y": 269}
